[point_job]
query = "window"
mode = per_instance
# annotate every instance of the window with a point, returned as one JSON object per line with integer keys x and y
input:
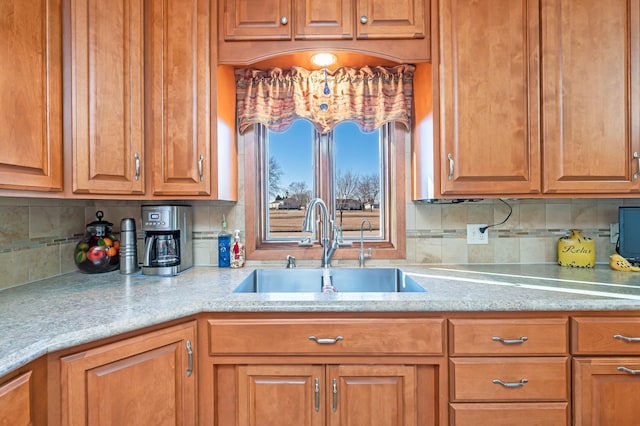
{"x": 360, "y": 175}
{"x": 352, "y": 182}
{"x": 302, "y": 141}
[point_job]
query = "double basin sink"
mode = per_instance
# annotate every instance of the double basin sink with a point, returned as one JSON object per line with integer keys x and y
{"x": 347, "y": 280}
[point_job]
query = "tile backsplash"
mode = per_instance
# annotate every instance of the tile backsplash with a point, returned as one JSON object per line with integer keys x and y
{"x": 38, "y": 236}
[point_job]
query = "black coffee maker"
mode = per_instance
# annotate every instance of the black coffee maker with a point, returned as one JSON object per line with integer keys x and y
{"x": 168, "y": 245}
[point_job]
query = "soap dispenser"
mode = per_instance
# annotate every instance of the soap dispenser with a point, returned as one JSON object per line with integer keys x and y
{"x": 237, "y": 251}
{"x": 224, "y": 245}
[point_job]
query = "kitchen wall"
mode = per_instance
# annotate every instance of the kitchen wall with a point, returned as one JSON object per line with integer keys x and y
{"x": 37, "y": 236}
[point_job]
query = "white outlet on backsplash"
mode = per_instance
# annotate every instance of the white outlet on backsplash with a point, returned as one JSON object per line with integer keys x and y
{"x": 614, "y": 231}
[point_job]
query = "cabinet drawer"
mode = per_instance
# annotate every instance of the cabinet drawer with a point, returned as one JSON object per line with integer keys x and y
{"x": 508, "y": 337}
{"x": 526, "y": 379}
{"x": 509, "y": 414}
{"x": 609, "y": 336}
{"x": 334, "y": 336}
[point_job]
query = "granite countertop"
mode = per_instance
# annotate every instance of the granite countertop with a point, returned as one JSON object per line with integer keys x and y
{"x": 77, "y": 308}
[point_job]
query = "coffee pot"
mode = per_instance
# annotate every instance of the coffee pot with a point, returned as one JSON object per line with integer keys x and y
{"x": 168, "y": 246}
{"x": 161, "y": 250}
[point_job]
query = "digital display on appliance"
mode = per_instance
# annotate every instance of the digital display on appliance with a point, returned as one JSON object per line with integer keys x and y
{"x": 154, "y": 216}
{"x": 629, "y": 228}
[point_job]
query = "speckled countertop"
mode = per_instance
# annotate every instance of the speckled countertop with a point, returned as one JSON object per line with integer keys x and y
{"x": 77, "y": 308}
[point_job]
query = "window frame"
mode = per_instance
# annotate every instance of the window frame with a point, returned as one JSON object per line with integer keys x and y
{"x": 395, "y": 219}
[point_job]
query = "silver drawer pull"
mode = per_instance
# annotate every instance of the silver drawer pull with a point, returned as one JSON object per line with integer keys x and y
{"x": 510, "y": 341}
{"x": 325, "y": 341}
{"x": 628, "y": 370}
{"x": 334, "y": 390}
{"x": 510, "y": 384}
{"x": 626, "y": 339}
{"x": 450, "y": 157}
{"x": 189, "y": 359}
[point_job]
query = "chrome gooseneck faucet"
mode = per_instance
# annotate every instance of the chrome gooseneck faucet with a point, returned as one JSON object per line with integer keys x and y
{"x": 329, "y": 245}
{"x": 362, "y": 256}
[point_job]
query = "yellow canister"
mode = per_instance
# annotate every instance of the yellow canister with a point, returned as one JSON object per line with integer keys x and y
{"x": 576, "y": 250}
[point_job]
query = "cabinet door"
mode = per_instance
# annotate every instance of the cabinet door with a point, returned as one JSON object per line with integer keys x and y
{"x": 281, "y": 395}
{"x": 324, "y": 19}
{"x": 145, "y": 380}
{"x": 257, "y": 19}
{"x": 15, "y": 401}
{"x": 603, "y": 393}
{"x": 107, "y": 92}
{"x": 386, "y": 19}
{"x": 489, "y": 97}
{"x": 591, "y": 92}
{"x": 180, "y": 99}
{"x": 31, "y": 95}
{"x": 372, "y": 395}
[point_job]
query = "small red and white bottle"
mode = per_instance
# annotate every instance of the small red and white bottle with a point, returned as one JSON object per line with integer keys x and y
{"x": 237, "y": 251}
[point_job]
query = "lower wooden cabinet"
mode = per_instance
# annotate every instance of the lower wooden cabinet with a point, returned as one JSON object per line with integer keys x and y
{"x": 15, "y": 401}
{"x": 508, "y": 371}
{"x": 23, "y": 395}
{"x": 606, "y": 391}
{"x": 509, "y": 414}
{"x": 326, "y": 371}
{"x": 510, "y": 379}
{"x": 333, "y": 395}
{"x": 606, "y": 370}
{"x": 145, "y": 380}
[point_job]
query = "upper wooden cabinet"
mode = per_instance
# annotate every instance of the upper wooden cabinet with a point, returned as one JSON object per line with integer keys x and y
{"x": 390, "y": 19}
{"x": 489, "y": 96}
{"x": 107, "y": 96}
{"x": 31, "y": 95}
{"x": 257, "y": 19}
{"x": 397, "y": 30}
{"x": 318, "y": 19}
{"x": 143, "y": 101}
{"x": 180, "y": 119}
{"x": 591, "y": 92}
{"x": 539, "y": 97}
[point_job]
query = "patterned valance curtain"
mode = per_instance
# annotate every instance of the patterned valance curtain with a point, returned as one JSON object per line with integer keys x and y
{"x": 369, "y": 96}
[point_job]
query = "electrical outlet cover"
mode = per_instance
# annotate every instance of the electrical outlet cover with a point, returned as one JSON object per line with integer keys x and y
{"x": 614, "y": 232}
{"x": 474, "y": 236}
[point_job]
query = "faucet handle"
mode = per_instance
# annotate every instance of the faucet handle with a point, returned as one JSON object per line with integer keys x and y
{"x": 340, "y": 239}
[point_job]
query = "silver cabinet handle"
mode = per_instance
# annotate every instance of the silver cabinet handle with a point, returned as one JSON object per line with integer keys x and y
{"x": 628, "y": 370}
{"x": 201, "y": 167}
{"x": 636, "y": 157}
{"x": 450, "y": 157}
{"x": 364, "y": 19}
{"x": 511, "y": 384}
{"x": 626, "y": 339}
{"x": 334, "y": 390}
{"x": 284, "y": 20}
{"x": 136, "y": 156}
{"x": 189, "y": 358}
{"x": 317, "y": 394}
{"x": 326, "y": 341}
{"x": 510, "y": 341}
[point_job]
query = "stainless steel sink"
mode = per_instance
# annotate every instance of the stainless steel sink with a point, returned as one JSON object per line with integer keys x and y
{"x": 349, "y": 280}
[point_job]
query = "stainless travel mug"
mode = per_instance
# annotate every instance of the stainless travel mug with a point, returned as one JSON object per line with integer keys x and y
{"x": 128, "y": 247}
